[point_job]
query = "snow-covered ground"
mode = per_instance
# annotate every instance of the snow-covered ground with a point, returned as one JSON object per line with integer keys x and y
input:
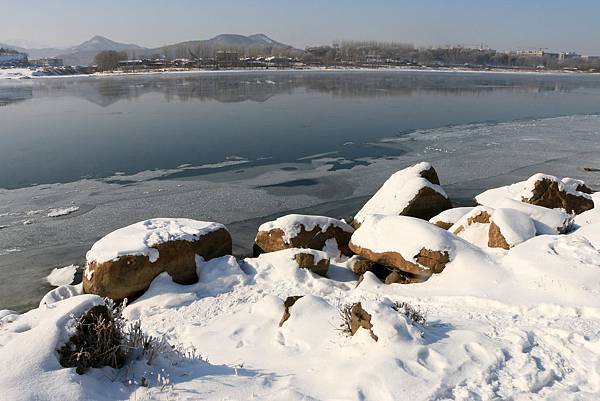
{"x": 522, "y": 324}
{"x": 29, "y": 73}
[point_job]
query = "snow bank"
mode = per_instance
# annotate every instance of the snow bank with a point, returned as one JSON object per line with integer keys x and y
{"x": 291, "y": 224}
{"x": 450, "y": 216}
{"x": 20, "y": 73}
{"x": 61, "y": 293}
{"x": 397, "y": 192}
{"x": 28, "y": 346}
{"x": 516, "y": 227}
{"x": 141, "y": 238}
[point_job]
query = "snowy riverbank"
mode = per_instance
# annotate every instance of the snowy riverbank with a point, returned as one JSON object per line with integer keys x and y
{"x": 37, "y": 73}
{"x": 517, "y": 323}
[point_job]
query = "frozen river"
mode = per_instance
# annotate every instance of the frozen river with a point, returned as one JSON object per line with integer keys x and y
{"x": 237, "y": 147}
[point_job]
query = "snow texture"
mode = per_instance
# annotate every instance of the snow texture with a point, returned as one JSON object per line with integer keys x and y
{"x": 515, "y": 226}
{"x": 451, "y": 215}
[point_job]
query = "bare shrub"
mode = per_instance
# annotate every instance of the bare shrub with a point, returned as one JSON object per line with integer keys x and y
{"x": 414, "y": 314}
{"x": 97, "y": 341}
{"x": 103, "y": 338}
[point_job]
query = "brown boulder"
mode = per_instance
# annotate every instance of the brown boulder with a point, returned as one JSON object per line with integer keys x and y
{"x": 291, "y": 232}
{"x": 404, "y": 243}
{"x": 427, "y": 261}
{"x": 549, "y": 192}
{"x": 127, "y": 276}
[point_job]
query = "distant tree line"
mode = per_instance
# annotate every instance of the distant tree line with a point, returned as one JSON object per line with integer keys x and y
{"x": 396, "y": 53}
{"x": 108, "y": 60}
{"x": 359, "y": 53}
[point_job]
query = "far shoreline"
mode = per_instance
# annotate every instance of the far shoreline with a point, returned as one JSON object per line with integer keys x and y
{"x": 295, "y": 70}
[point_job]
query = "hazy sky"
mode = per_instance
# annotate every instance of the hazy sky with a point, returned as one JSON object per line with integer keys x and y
{"x": 500, "y": 24}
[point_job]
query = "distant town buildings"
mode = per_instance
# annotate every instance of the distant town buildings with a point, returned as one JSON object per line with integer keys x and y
{"x": 47, "y": 62}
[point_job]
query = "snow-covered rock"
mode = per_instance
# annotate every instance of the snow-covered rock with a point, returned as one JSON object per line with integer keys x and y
{"x": 124, "y": 263}
{"x": 405, "y": 243}
{"x": 494, "y": 228}
{"x": 303, "y": 231}
{"x": 509, "y": 227}
{"x": 545, "y": 190}
{"x": 448, "y": 217}
{"x": 474, "y": 226}
{"x": 546, "y": 221}
{"x": 414, "y": 191}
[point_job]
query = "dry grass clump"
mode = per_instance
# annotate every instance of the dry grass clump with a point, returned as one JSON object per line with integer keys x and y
{"x": 414, "y": 314}
{"x": 97, "y": 342}
{"x": 346, "y": 315}
{"x": 103, "y": 338}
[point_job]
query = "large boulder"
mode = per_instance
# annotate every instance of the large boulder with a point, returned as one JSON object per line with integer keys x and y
{"x": 303, "y": 231}
{"x": 124, "y": 263}
{"x": 414, "y": 191}
{"x": 544, "y": 190}
{"x": 548, "y": 191}
{"x": 404, "y": 243}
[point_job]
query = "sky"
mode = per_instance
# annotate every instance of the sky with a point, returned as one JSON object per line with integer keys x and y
{"x": 500, "y": 24}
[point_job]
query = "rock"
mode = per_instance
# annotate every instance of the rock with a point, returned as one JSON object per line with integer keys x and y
{"x": 448, "y": 217}
{"x": 508, "y": 228}
{"x": 302, "y": 231}
{"x": 360, "y": 266}
{"x": 360, "y": 318}
{"x": 543, "y": 190}
{"x": 548, "y": 191}
{"x": 414, "y": 191}
{"x": 404, "y": 243}
{"x": 307, "y": 261}
{"x": 496, "y": 239}
{"x": 499, "y": 228}
{"x": 287, "y": 304}
{"x": 398, "y": 277}
{"x": 124, "y": 263}
{"x": 474, "y": 226}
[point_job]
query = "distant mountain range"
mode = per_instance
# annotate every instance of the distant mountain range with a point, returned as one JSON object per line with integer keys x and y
{"x": 84, "y": 53}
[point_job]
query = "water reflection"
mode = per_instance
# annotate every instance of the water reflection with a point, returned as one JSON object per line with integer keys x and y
{"x": 259, "y": 87}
